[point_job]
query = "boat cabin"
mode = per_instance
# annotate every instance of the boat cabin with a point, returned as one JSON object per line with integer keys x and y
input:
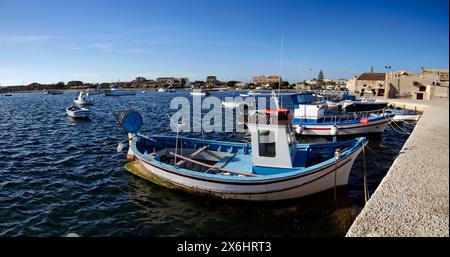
{"x": 272, "y": 139}
{"x": 307, "y": 106}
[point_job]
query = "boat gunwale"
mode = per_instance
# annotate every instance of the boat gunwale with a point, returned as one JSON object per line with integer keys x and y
{"x": 294, "y": 173}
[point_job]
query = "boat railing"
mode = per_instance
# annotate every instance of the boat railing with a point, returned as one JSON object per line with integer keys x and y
{"x": 337, "y": 118}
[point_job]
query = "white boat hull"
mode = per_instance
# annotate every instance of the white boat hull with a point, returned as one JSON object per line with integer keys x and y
{"x": 352, "y": 129}
{"x": 80, "y": 114}
{"x": 119, "y": 92}
{"x": 199, "y": 94}
{"x": 300, "y": 185}
{"x": 399, "y": 117}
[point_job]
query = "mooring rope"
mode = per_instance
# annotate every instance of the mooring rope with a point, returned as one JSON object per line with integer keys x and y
{"x": 366, "y": 186}
{"x": 403, "y": 131}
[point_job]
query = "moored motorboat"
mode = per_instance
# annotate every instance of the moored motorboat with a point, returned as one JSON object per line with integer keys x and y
{"x": 94, "y": 91}
{"x": 53, "y": 92}
{"x": 310, "y": 119}
{"x": 78, "y": 112}
{"x": 117, "y": 90}
{"x": 363, "y": 105}
{"x": 162, "y": 89}
{"x": 83, "y": 99}
{"x": 251, "y": 93}
{"x": 272, "y": 167}
{"x": 403, "y": 115}
{"x": 197, "y": 92}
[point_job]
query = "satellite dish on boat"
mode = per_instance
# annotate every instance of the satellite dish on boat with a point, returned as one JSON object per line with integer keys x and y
{"x": 131, "y": 121}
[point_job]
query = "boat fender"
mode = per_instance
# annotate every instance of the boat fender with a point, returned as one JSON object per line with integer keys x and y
{"x": 364, "y": 121}
{"x": 299, "y": 129}
{"x": 334, "y": 130}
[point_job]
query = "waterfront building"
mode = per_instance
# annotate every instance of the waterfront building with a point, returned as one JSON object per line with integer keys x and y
{"x": 426, "y": 84}
{"x": 262, "y": 80}
{"x": 172, "y": 81}
{"x": 211, "y": 81}
{"x": 368, "y": 82}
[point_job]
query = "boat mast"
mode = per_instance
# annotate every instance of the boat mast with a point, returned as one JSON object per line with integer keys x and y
{"x": 279, "y": 74}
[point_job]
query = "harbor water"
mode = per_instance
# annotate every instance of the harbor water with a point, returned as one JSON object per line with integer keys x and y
{"x": 56, "y": 177}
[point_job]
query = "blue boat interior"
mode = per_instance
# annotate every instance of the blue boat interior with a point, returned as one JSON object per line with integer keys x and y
{"x": 231, "y": 156}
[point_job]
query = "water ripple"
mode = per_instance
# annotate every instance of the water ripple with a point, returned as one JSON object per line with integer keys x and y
{"x": 57, "y": 177}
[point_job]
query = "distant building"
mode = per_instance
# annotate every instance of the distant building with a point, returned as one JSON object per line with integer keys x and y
{"x": 197, "y": 84}
{"x": 368, "y": 82}
{"x": 262, "y": 80}
{"x": 340, "y": 82}
{"x": 427, "y": 84}
{"x": 172, "y": 82}
{"x": 241, "y": 85}
{"x": 165, "y": 81}
{"x": 442, "y": 73}
{"x": 140, "y": 79}
{"x": 211, "y": 81}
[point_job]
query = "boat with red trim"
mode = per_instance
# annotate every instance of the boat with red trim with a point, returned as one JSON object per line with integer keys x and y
{"x": 310, "y": 119}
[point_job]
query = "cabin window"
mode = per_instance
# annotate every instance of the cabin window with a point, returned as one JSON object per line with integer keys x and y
{"x": 266, "y": 143}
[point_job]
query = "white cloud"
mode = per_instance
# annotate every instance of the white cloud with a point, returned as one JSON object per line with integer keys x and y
{"x": 152, "y": 29}
{"x": 105, "y": 47}
{"x": 23, "y": 39}
{"x": 135, "y": 50}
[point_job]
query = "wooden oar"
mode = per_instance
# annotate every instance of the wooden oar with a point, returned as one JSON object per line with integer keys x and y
{"x": 211, "y": 166}
{"x": 193, "y": 155}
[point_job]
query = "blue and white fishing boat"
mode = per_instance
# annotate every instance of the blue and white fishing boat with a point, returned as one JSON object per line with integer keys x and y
{"x": 272, "y": 167}
{"x": 310, "y": 119}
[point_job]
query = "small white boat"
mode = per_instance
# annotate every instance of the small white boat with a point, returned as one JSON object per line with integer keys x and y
{"x": 231, "y": 104}
{"x": 83, "y": 99}
{"x": 94, "y": 91}
{"x": 78, "y": 112}
{"x": 162, "y": 90}
{"x": 53, "y": 92}
{"x": 253, "y": 93}
{"x": 196, "y": 92}
{"x": 244, "y": 95}
{"x": 404, "y": 115}
{"x": 118, "y": 91}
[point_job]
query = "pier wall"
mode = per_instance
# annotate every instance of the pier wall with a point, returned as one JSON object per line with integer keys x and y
{"x": 413, "y": 197}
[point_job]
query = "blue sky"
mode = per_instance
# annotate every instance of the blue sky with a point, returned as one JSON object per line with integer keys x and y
{"x": 94, "y": 41}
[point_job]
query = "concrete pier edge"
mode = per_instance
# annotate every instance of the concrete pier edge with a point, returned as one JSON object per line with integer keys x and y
{"x": 413, "y": 197}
